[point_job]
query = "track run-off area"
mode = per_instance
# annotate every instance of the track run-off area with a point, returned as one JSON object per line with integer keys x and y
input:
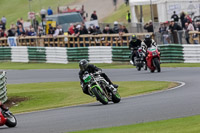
{"x": 173, "y": 103}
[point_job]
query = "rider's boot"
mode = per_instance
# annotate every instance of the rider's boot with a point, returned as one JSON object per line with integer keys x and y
{"x": 114, "y": 87}
{"x": 3, "y": 107}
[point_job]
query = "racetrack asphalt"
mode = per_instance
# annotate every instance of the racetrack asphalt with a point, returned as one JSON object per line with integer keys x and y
{"x": 175, "y": 103}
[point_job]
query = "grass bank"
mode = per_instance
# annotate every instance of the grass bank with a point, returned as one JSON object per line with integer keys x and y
{"x": 179, "y": 125}
{"x": 40, "y": 96}
{"x": 24, "y": 66}
{"x": 120, "y": 14}
{"x": 15, "y": 9}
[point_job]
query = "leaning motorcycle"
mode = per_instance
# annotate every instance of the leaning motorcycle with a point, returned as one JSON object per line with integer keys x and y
{"x": 7, "y": 118}
{"x": 98, "y": 87}
{"x": 153, "y": 59}
{"x": 140, "y": 59}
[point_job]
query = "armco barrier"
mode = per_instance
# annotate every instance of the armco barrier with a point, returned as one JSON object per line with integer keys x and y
{"x": 171, "y": 53}
{"x": 3, "y": 89}
{"x": 191, "y": 53}
{"x": 100, "y": 54}
{"x": 120, "y": 54}
{"x": 76, "y": 54}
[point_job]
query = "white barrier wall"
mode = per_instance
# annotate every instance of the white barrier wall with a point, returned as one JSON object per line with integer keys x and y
{"x": 191, "y": 53}
{"x": 100, "y": 54}
{"x": 56, "y": 55}
{"x": 19, "y": 54}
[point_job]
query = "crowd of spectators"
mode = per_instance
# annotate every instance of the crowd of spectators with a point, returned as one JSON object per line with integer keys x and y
{"x": 178, "y": 25}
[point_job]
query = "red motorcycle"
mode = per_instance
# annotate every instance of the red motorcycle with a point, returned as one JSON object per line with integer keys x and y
{"x": 7, "y": 118}
{"x": 153, "y": 59}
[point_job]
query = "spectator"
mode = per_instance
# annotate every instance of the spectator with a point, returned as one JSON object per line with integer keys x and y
{"x": 77, "y": 30}
{"x": 61, "y": 32}
{"x": 126, "y": 2}
{"x": 71, "y": 29}
{"x": 107, "y": 30}
{"x": 164, "y": 32}
{"x": 2, "y": 26}
{"x": 187, "y": 38}
{"x": 98, "y": 30}
{"x": 124, "y": 29}
{"x": 188, "y": 18}
{"x": 21, "y": 21}
{"x": 4, "y": 20}
{"x": 2, "y": 33}
{"x": 94, "y": 16}
{"x": 175, "y": 17}
{"x": 57, "y": 31}
{"x": 115, "y": 4}
{"x": 128, "y": 17}
{"x": 149, "y": 26}
{"x": 35, "y": 24}
{"x": 12, "y": 31}
{"x": 174, "y": 28}
{"x": 197, "y": 28}
{"x": 20, "y": 31}
{"x": 91, "y": 29}
{"x": 116, "y": 27}
{"x": 182, "y": 18}
{"x": 85, "y": 31}
{"x": 50, "y": 11}
{"x": 32, "y": 32}
{"x": 51, "y": 31}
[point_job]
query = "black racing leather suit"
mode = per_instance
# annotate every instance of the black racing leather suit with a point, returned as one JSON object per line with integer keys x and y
{"x": 91, "y": 69}
{"x": 134, "y": 45}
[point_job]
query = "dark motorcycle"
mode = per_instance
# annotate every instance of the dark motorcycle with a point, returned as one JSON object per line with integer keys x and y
{"x": 98, "y": 87}
{"x": 140, "y": 59}
{"x": 7, "y": 118}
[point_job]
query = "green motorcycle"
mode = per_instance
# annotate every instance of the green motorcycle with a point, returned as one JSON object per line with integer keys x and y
{"x": 98, "y": 87}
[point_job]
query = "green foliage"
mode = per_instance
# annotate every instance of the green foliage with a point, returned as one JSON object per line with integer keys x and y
{"x": 58, "y": 94}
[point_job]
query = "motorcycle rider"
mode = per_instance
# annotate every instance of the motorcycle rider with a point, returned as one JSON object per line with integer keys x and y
{"x": 3, "y": 107}
{"x": 134, "y": 44}
{"x": 90, "y": 68}
{"x": 149, "y": 42}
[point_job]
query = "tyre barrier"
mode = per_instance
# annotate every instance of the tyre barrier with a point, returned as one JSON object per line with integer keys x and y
{"x": 3, "y": 89}
{"x": 170, "y": 53}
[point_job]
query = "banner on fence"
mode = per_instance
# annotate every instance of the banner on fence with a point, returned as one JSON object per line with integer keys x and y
{"x": 12, "y": 41}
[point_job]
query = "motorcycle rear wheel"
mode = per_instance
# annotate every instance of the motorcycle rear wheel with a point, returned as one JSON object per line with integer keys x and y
{"x": 103, "y": 99}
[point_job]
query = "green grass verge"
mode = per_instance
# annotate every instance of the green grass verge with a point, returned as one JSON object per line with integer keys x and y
{"x": 58, "y": 94}
{"x": 15, "y": 9}
{"x": 179, "y": 125}
{"x": 24, "y": 66}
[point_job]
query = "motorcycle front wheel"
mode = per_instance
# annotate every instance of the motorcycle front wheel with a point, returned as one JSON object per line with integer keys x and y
{"x": 103, "y": 99}
{"x": 116, "y": 97}
{"x": 11, "y": 120}
{"x": 157, "y": 64}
